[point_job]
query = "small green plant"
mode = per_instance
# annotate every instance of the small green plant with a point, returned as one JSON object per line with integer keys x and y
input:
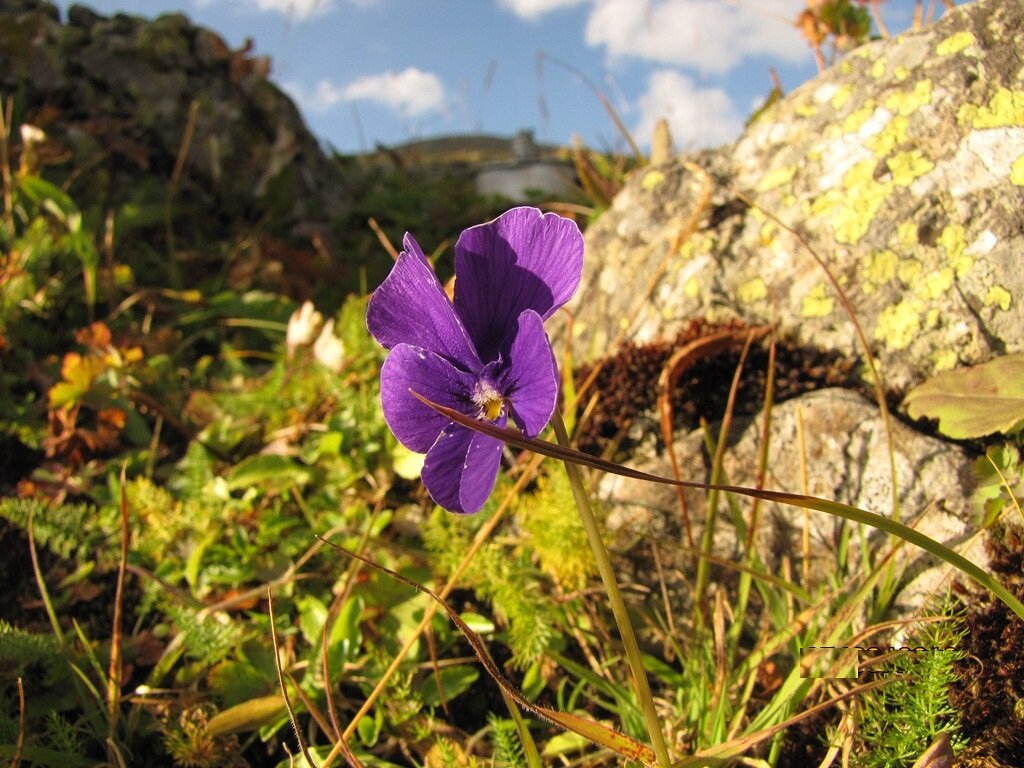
{"x": 899, "y": 720}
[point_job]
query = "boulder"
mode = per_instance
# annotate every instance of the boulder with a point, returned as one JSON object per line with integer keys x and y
{"x": 901, "y": 167}
{"x": 140, "y": 102}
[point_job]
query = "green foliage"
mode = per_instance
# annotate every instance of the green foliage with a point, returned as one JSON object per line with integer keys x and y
{"x": 555, "y": 533}
{"x": 507, "y": 579}
{"x": 73, "y": 531}
{"x": 999, "y": 475}
{"x": 899, "y": 720}
{"x": 508, "y": 749}
{"x": 973, "y": 402}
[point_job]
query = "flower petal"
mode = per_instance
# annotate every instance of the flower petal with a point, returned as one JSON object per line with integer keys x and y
{"x": 407, "y": 367}
{"x": 461, "y": 467}
{"x": 410, "y": 307}
{"x": 521, "y": 260}
{"x": 530, "y": 379}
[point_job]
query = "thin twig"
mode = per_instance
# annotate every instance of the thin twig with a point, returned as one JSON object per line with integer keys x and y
{"x": 283, "y": 685}
{"x": 20, "y": 743}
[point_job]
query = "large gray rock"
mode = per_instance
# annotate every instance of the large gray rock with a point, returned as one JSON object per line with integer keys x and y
{"x": 845, "y": 451}
{"x": 117, "y": 93}
{"x": 902, "y": 166}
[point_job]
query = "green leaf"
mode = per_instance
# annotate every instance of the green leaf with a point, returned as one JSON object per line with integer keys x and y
{"x": 454, "y": 680}
{"x": 274, "y": 472}
{"x": 247, "y": 716}
{"x": 973, "y": 402}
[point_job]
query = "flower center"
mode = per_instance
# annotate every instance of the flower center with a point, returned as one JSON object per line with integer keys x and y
{"x": 491, "y": 403}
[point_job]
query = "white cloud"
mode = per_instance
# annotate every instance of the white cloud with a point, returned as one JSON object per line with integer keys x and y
{"x": 534, "y": 9}
{"x": 697, "y": 117}
{"x": 712, "y": 35}
{"x": 411, "y": 92}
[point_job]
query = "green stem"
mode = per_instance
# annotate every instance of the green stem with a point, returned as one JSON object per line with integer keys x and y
{"x": 611, "y": 587}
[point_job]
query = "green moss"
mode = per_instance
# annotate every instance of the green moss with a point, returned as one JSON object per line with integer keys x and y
{"x": 955, "y": 43}
{"x": 1005, "y": 108}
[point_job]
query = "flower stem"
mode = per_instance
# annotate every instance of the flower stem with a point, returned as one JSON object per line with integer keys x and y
{"x": 604, "y": 567}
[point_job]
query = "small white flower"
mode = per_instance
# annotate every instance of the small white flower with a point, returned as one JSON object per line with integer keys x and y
{"x": 328, "y": 348}
{"x": 302, "y": 327}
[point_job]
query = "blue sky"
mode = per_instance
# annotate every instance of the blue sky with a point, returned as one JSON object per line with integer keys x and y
{"x": 388, "y": 71}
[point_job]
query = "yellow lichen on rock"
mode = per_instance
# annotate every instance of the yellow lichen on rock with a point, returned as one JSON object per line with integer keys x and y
{"x": 1017, "y": 171}
{"x": 651, "y": 179}
{"x": 998, "y": 296}
{"x": 899, "y": 324}
{"x": 908, "y": 102}
{"x": 752, "y": 291}
{"x": 880, "y": 269}
{"x": 842, "y": 95}
{"x": 907, "y": 166}
{"x": 776, "y": 178}
{"x": 955, "y": 43}
{"x": 856, "y": 119}
{"x": 935, "y": 284}
{"x": 1005, "y": 108}
{"x": 818, "y": 302}
{"x": 891, "y": 136}
{"x": 953, "y": 241}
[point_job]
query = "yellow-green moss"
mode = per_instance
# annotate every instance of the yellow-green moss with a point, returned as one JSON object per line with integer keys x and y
{"x": 907, "y": 166}
{"x": 818, "y": 302}
{"x": 1017, "y": 171}
{"x": 955, "y": 43}
{"x": 908, "y": 102}
{"x": 1006, "y": 107}
{"x": 651, "y": 179}
{"x": 892, "y": 135}
{"x": 777, "y": 177}
{"x": 751, "y": 291}
{"x": 998, "y": 296}
{"x": 899, "y": 324}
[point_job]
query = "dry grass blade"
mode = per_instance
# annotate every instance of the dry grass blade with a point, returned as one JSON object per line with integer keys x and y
{"x": 682, "y": 360}
{"x": 283, "y": 685}
{"x": 594, "y": 731}
{"x": 876, "y": 374}
{"x": 383, "y": 238}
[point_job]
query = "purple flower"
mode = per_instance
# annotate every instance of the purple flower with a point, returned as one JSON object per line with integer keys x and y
{"x": 485, "y": 354}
